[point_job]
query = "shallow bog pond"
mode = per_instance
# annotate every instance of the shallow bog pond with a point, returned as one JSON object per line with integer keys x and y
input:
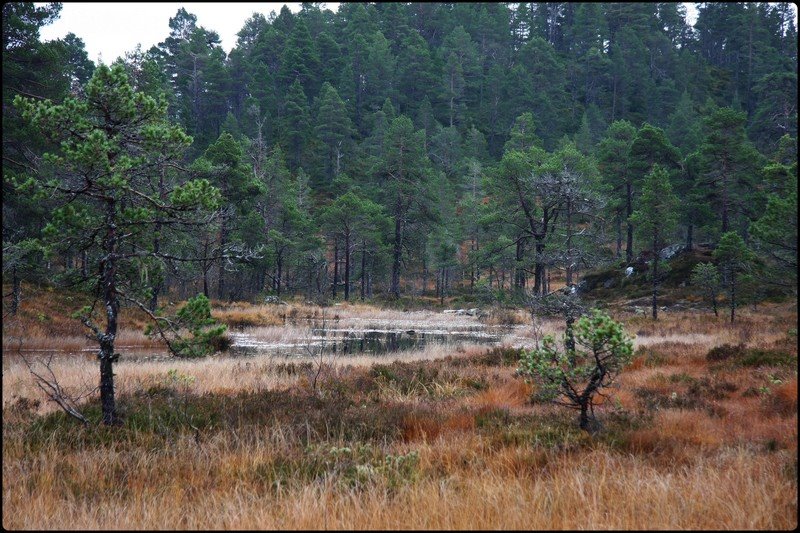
{"x": 356, "y": 341}
{"x": 380, "y": 334}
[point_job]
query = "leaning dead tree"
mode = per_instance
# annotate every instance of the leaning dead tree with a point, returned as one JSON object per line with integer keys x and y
{"x": 45, "y": 378}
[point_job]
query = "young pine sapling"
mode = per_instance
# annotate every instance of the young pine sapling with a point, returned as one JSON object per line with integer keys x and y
{"x": 576, "y": 377}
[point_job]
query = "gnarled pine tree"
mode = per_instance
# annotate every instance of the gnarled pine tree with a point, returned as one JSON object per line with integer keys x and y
{"x": 114, "y": 143}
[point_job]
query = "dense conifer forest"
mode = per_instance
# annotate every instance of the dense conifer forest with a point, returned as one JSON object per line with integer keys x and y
{"x": 404, "y": 266}
{"x": 403, "y": 148}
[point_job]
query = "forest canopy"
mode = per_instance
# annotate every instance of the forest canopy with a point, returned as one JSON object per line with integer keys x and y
{"x": 395, "y": 149}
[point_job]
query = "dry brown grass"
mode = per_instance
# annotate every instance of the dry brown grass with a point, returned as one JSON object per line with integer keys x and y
{"x": 246, "y": 315}
{"x": 785, "y": 398}
{"x": 502, "y": 317}
{"x": 687, "y": 443}
{"x": 506, "y": 395}
{"x": 43, "y": 323}
{"x": 517, "y": 488}
{"x": 211, "y": 375}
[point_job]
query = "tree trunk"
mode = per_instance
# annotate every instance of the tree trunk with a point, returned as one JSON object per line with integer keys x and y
{"x": 363, "y": 268}
{"x": 614, "y": 101}
{"x": 538, "y": 271}
{"x": 338, "y": 167}
{"x": 724, "y": 194}
{"x": 108, "y": 274}
{"x": 396, "y": 256}
{"x": 347, "y": 267}
{"x": 278, "y": 273}
{"x": 690, "y": 237}
{"x": 15, "y": 291}
{"x": 159, "y": 284}
{"x": 655, "y": 280}
{"x": 586, "y": 423}
{"x": 473, "y": 275}
{"x": 223, "y": 240}
{"x": 569, "y": 334}
{"x": 569, "y": 243}
{"x": 629, "y": 212}
{"x": 107, "y": 388}
{"x": 206, "y": 268}
{"x": 335, "y": 265}
{"x": 733, "y": 296}
{"x": 424, "y": 276}
{"x": 157, "y": 288}
{"x": 442, "y": 284}
{"x": 477, "y": 267}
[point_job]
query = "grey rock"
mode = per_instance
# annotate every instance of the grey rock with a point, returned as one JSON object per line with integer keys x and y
{"x": 671, "y": 251}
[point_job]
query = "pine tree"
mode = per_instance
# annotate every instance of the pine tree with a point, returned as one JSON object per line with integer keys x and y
{"x": 728, "y": 165}
{"x": 300, "y": 60}
{"x": 460, "y": 57}
{"x": 613, "y": 162}
{"x": 655, "y": 219}
{"x": 353, "y": 218}
{"x": 685, "y": 128}
{"x": 415, "y": 73}
{"x": 705, "y": 277}
{"x": 296, "y": 123}
{"x": 39, "y": 70}
{"x": 334, "y": 128}
{"x": 405, "y": 175}
{"x": 775, "y": 235}
{"x": 109, "y": 142}
{"x": 649, "y": 147}
{"x": 734, "y": 258}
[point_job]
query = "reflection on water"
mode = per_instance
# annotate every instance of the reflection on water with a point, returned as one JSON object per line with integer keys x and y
{"x": 337, "y": 341}
{"x": 374, "y": 337}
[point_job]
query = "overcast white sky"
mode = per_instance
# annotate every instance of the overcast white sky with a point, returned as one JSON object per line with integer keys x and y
{"x": 115, "y": 28}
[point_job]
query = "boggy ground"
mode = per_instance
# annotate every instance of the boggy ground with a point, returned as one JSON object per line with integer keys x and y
{"x": 701, "y": 434}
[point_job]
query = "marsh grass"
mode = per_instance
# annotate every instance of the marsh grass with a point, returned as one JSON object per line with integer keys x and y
{"x": 441, "y": 438}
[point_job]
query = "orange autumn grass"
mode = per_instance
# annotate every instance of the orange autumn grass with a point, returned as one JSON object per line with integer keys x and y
{"x": 451, "y": 442}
